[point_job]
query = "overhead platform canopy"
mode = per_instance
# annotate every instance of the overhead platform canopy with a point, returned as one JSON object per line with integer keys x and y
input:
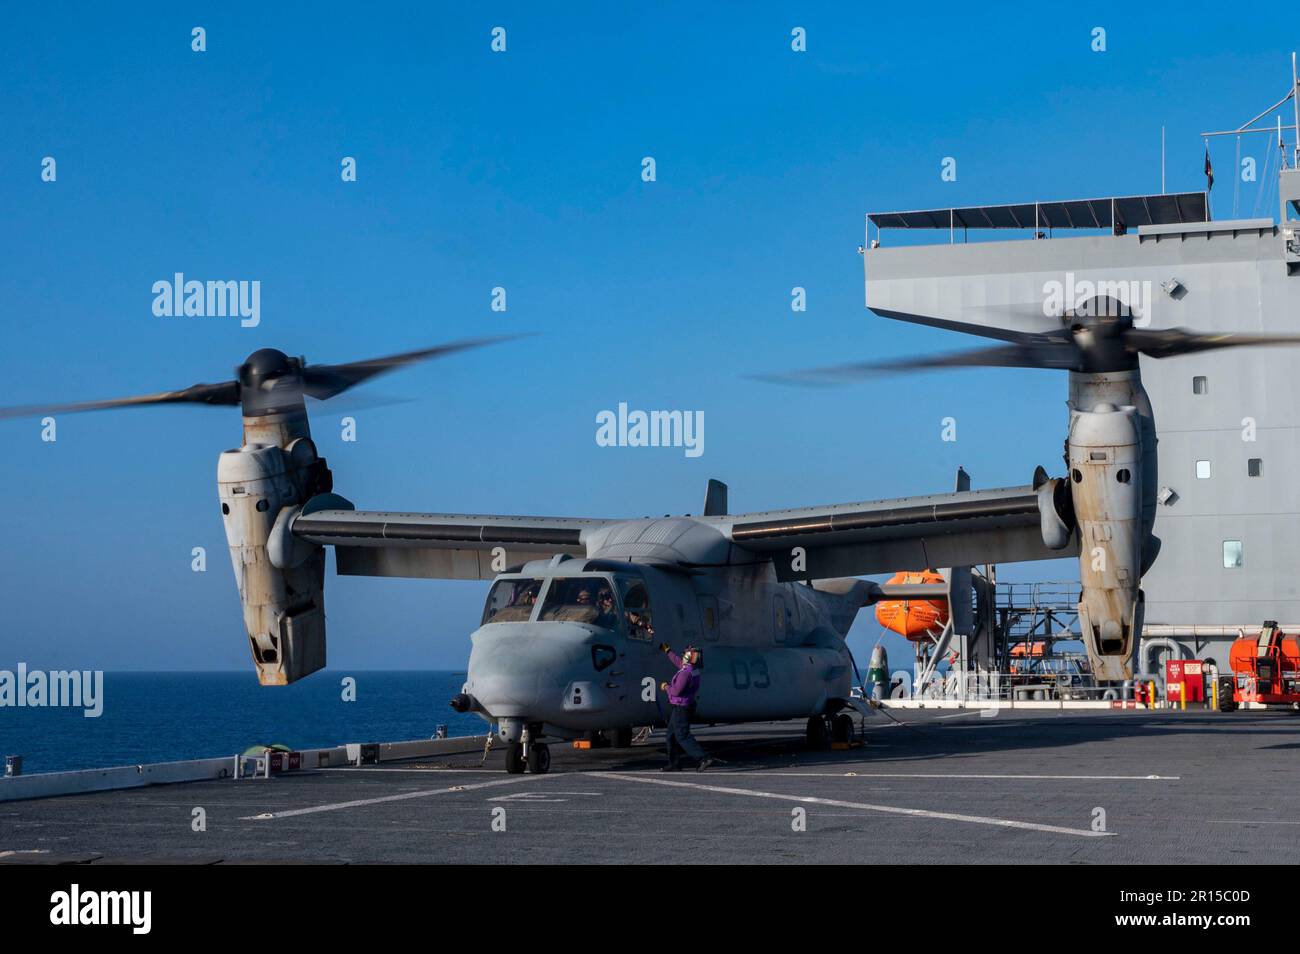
{"x": 1123, "y": 211}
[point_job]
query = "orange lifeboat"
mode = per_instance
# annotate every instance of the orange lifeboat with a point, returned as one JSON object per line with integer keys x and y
{"x": 1035, "y": 650}
{"x": 913, "y": 618}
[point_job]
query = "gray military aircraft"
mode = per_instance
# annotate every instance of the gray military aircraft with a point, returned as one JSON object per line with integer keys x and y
{"x": 567, "y": 644}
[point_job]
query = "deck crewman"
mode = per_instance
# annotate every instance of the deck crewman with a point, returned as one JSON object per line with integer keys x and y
{"x": 683, "y": 690}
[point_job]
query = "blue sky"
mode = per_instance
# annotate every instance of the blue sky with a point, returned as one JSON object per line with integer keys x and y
{"x": 522, "y": 170}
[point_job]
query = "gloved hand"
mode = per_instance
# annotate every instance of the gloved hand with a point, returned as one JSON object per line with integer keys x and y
{"x": 664, "y": 647}
{"x": 663, "y": 686}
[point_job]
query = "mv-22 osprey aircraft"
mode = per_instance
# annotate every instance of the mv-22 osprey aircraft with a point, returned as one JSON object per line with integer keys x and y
{"x": 568, "y": 641}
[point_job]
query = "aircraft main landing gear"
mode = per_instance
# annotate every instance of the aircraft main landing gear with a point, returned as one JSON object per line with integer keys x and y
{"x": 842, "y": 729}
{"x": 818, "y": 733}
{"x": 823, "y": 731}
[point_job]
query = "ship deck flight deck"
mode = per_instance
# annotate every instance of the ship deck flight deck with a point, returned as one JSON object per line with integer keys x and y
{"x": 1072, "y": 786}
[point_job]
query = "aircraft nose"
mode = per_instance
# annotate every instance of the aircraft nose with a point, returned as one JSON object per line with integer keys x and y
{"x": 522, "y": 669}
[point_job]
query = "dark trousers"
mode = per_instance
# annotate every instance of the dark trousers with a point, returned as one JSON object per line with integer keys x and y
{"x": 680, "y": 739}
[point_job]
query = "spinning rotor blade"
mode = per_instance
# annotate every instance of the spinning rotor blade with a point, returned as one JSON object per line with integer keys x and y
{"x": 224, "y": 394}
{"x": 323, "y": 381}
{"x": 1171, "y": 342}
{"x": 1054, "y": 350}
{"x": 1099, "y": 336}
{"x": 266, "y": 380}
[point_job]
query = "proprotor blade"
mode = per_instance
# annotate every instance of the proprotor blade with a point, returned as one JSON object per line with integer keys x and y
{"x": 1054, "y": 350}
{"x": 1171, "y": 342}
{"x": 268, "y": 381}
{"x": 225, "y": 394}
{"x": 324, "y": 381}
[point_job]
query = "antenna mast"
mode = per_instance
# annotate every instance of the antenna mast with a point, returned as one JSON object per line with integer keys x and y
{"x": 1295, "y": 107}
{"x": 1249, "y": 127}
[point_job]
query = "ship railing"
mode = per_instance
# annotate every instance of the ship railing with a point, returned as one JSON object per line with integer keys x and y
{"x": 987, "y": 687}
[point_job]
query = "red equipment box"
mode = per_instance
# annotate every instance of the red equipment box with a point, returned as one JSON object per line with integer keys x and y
{"x": 1184, "y": 675}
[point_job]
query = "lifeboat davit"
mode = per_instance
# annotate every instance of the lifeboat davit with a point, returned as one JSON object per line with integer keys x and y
{"x": 913, "y": 618}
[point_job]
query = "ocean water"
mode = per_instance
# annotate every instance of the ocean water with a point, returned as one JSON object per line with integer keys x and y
{"x": 165, "y": 716}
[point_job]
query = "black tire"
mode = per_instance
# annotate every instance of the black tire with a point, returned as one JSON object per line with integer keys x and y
{"x": 842, "y": 728}
{"x": 623, "y": 737}
{"x": 539, "y": 758}
{"x": 816, "y": 734}
{"x": 1226, "y": 702}
{"x": 515, "y": 758}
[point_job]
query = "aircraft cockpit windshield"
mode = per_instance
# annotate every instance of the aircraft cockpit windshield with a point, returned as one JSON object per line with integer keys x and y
{"x": 581, "y": 599}
{"x": 512, "y": 601}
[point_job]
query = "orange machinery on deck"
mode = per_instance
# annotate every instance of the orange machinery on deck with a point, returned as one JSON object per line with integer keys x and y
{"x": 1265, "y": 668}
{"x": 914, "y": 618}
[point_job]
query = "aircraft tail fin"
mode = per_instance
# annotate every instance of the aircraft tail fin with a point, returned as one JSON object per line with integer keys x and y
{"x": 715, "y": 499}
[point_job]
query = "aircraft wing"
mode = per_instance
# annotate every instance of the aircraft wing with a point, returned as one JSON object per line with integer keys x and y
{"x": 907, "y": 533}
{"x": 444, "y": 546}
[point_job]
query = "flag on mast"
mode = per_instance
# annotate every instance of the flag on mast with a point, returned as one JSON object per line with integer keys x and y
{"x": 1209, "y": 170}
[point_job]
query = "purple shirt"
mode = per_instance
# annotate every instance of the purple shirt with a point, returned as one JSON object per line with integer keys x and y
{"x": 685, "y": 684}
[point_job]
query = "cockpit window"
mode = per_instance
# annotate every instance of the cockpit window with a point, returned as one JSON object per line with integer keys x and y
{"x": 636, "y": 610}
{"x": 511, "y": 601}
{"x": 581, "y": 600}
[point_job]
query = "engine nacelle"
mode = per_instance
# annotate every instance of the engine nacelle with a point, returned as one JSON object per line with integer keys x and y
{"x": 1106, "y": 480}
{"x": 281, "y": 582}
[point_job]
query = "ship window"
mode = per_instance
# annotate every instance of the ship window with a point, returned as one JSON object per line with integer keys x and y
{"x": 1200, "y": 384}
{"x": 1232, "y": 554}
{"x": 1255, "y": 467}
{"x": 1123, "y": 475}
{"x": 1078, "y": 477}
{"x": 1202, "y": 470}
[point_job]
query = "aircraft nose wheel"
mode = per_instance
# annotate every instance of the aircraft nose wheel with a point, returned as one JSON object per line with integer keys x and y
{"x": 515, "y": 758}
{"x": 539, "y": 758}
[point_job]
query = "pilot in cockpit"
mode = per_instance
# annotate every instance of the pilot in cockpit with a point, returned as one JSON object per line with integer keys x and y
{"x": 608, "y": 618}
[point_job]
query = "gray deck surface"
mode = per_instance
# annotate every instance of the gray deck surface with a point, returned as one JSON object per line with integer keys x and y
{"x": 949, "y": 786}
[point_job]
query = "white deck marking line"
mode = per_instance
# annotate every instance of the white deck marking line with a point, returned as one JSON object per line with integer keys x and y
{"x": 418, "y": 771}
{"x": 948, "y": 775}
{"x": 866, "y": 806}
{"x": 425, "y": 793}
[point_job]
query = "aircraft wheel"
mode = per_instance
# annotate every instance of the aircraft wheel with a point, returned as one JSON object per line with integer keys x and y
{"x": 539, "y": 758}
{"x": 818, "y": 737}
{"x": 842, "y": 728}
{"x": 515, "y": 758}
